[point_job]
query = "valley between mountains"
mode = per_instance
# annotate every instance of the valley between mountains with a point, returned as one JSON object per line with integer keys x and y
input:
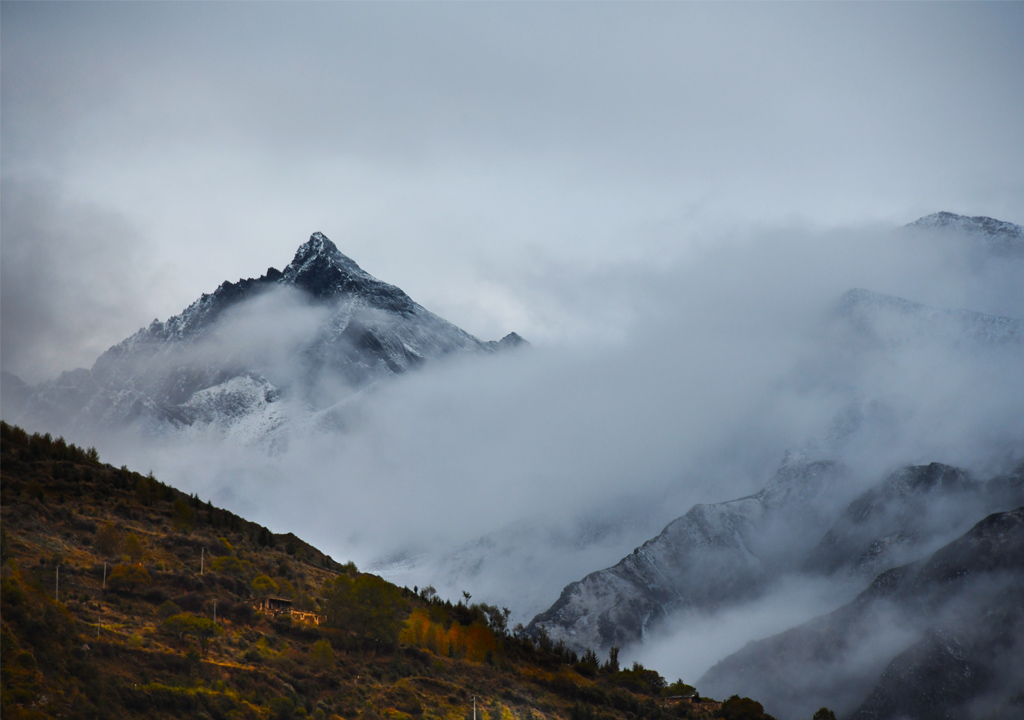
{"x": 802, "y": 484}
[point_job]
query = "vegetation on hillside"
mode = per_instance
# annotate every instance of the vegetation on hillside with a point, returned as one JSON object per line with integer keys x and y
{"x": 123, "y": 597}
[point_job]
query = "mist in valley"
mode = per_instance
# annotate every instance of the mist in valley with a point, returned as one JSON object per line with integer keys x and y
{"x": 510, "y": 476}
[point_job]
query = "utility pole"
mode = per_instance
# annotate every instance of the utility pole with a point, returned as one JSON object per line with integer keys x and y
{"x": 104, "y": 574}
{"x": 202, "y": 558}
{"x": 474, "y": 707}
{"x": 56, "y": 589}
{"x": 215, "y": 611}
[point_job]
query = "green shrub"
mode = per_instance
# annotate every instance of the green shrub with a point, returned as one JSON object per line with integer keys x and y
{"x": 737, "y": 708}
{"x": 230, "y": 566}
{"x": 264, "y": 585}
{"x": 107, "y": 540}
{"x": 366, "y": 605}
{"x": 678, "y": 688}
{"x": 167, "y": 609}
{"x": 321, "y": 656}
{"x": 281, "y": 708}
{"x": 185, "y": 626}
{"x": 128, "y": 578}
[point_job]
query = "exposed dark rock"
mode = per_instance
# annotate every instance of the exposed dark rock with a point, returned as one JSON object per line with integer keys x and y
{"x": 889, "y": 523}
{"x": 925, "y": 640}
{"x": 196, "y": 368}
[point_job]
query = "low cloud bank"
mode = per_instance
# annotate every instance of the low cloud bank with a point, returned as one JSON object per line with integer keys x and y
{"x": 687, "y": 647}
{"x": 712, "y": 367}
{"x": 74, "y": 280}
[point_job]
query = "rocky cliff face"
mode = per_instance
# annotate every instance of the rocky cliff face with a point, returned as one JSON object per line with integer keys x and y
{"x": 313, "y": 333}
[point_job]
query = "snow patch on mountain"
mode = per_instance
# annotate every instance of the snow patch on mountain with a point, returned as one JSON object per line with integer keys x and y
{"x": 894, "y": 320}
{"x": 243, "y": 407}
{"x": 712, "y": 556}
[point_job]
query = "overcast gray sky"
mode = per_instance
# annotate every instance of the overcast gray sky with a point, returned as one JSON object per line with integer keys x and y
{"x": 491, "y": 159}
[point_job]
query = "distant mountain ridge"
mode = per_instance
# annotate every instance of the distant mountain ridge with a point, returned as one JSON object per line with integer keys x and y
{"x": 906, "y": 515}
{"x": 999, "y": 236}
{"x": 339, "y": 329}
{"x": 712, "y": 556}
{"x": 726, "y": 553}
{"x": 716, "y": 555}
{"x": 938, "y": 639}
{"x": 618, "y": 605}
{"x": 892, "y": 320}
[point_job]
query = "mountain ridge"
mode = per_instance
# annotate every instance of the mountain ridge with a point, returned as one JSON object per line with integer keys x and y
{"x": 892, "y": 319}
{"x": 710, "y": 556}
{"x": 999, "y": 236}
{"x": 919, "y": 643}
{"x": 321, "y": 328}
{"x": 721, "y": 554}
{"x": 615, "y": 606}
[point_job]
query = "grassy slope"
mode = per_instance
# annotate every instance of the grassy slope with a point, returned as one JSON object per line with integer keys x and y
{"x": 87, "y": 651}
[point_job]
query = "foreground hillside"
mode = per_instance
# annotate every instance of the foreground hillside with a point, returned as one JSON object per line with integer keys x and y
{"x": 123, "y": 597}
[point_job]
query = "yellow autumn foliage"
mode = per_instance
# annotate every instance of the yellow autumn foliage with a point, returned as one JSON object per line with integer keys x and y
{"x": 471, "y": 642}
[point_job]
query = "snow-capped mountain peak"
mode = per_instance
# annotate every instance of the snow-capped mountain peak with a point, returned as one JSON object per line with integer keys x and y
{"x": 318, "y": 256}
{"x": 323, "y": 271}
{"x": 230, "y": 356}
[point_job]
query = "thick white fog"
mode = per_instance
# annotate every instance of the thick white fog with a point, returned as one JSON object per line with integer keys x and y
{"x": 567, "y": 456}
{"x": 693, "y": 642}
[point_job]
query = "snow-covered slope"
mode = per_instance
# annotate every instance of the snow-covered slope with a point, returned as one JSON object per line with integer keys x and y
{"x": 711, "y": 556}
{"x": 891, "y": 320}
{"x": 723, "y": 554}
{"x": 549, "y": 553}
{"x": 238, "y": 360}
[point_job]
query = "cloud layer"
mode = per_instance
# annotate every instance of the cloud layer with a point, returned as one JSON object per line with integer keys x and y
{"x": 731, "y": 358}
{"x": 462, "y": 151}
